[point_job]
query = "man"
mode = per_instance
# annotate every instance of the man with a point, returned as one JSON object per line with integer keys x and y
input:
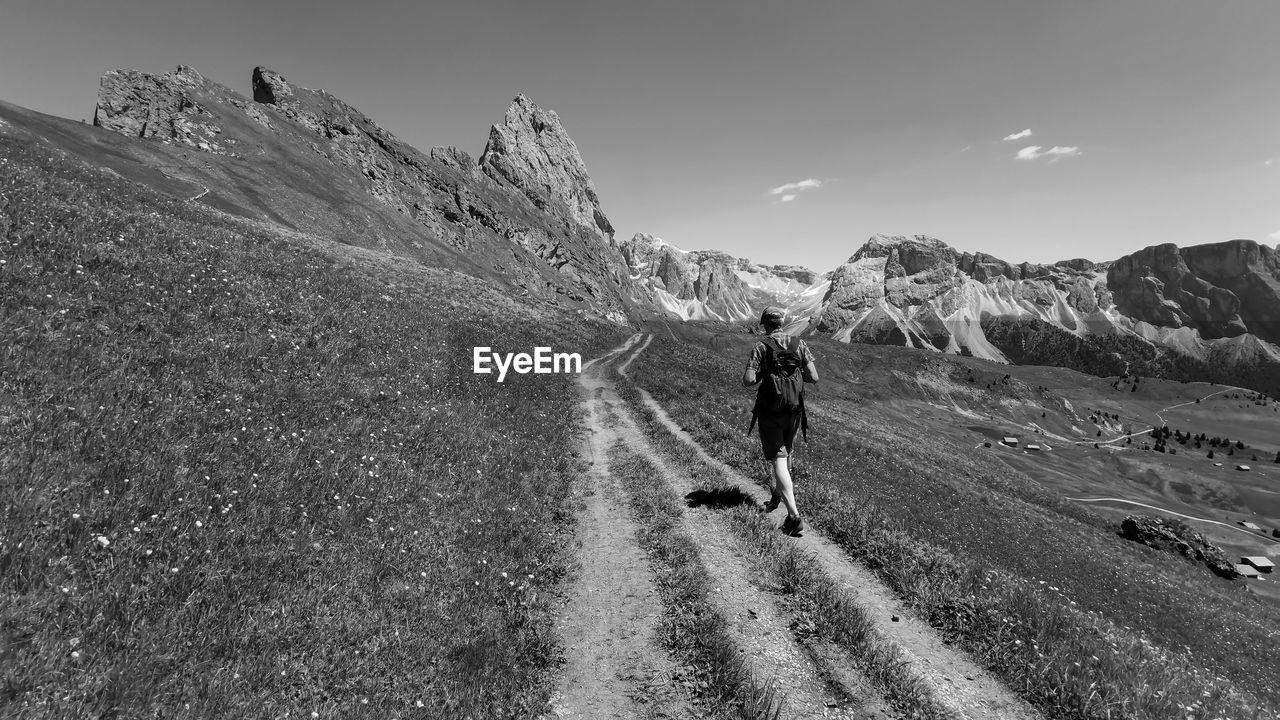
{"x": 771, "y": 361}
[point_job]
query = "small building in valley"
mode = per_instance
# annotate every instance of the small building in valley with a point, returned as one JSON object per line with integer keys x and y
{"x": 1261, "y": 563}
{"x": 1249, "y": 526}
{"x": 1010, "y": 441}
{"x": 1243, "y": 468}
{"x": 1246, "y": 571}
{"x": 1033, "y": 446}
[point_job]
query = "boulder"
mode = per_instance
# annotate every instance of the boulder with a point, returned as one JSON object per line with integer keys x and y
{"x": 1174, "y": 536}
{"x": 166, "y": 107}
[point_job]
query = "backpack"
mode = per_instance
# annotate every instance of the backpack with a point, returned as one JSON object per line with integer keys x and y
{"x": 781, "y": 385}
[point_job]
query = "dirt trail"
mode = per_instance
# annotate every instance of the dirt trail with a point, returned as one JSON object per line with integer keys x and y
{"x": 964, "y": 687}
{"x": 814, "y": 681}
{"x": 615, "y": 667}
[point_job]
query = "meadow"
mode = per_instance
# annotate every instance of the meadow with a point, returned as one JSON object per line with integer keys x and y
{"x": 1041, "y": 592}
{"x": 249, "y": 473}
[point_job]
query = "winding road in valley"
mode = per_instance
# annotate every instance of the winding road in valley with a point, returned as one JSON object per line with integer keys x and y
{"x": 1250, "y": 533}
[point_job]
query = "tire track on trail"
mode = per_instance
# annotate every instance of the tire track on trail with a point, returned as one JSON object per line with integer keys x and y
{"x": 614, "y": 666}
{"x": 966, "y": 689}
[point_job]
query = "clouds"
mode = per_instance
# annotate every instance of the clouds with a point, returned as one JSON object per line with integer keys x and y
{"x": 1275, "y": 235}
{"x": 1055, "y": 153}
{"x": 789, "y": 191}
{"x": 1032, "y": 153}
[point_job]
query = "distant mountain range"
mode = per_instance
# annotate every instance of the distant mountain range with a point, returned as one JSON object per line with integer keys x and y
{"x": 527, "y": 215}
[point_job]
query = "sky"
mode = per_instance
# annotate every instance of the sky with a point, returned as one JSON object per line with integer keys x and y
{"x": 784, "y": 132}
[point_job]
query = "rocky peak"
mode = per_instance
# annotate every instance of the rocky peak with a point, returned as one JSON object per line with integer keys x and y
{"x": 531, "y": 152}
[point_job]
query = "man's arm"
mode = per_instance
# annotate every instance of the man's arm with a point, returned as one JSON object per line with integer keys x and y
{"x": 750, "y": 375}
{"x": 811, "y": 373}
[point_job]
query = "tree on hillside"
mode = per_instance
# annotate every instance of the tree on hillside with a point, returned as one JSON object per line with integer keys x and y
{"x": 1278, "y": 457}
{"x": 1210, "y": 455}
{"x": 1239, "y": 444}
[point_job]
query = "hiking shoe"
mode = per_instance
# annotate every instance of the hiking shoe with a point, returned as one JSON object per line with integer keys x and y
{"x": 792, "y": 526}
{"x": 771, "y": 505}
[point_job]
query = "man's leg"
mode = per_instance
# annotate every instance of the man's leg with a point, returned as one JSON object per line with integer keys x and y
{"x": 782, "y": 469}
{"x": 771, "y": 442}
{"x": 783, "y": 486}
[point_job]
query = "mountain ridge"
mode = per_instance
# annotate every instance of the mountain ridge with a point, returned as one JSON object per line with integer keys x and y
{"x": 920, "y": 292}
{"x": 526, "y": 213}
{"x": 517, "y": 215}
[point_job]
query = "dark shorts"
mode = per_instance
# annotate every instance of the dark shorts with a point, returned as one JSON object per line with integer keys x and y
{"x": 778, "y": 434}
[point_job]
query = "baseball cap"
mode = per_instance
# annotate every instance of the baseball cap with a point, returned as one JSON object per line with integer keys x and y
{"x": 773, "y": 313}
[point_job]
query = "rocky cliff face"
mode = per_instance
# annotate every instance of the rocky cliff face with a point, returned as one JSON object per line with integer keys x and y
{"x": 160, "y": 106}
{"x": 1220, "y": 290}
{"x": 1208, "y": 312}
{"x": 920, "y": 291}
{"x": 527, "y": 213}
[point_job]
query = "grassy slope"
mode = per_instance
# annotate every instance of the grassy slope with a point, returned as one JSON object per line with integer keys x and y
{"x": 953, "y": 504}
{"x": 243, "y": 473}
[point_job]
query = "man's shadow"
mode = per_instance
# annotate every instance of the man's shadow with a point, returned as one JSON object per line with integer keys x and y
{"x": 718, "y": 499}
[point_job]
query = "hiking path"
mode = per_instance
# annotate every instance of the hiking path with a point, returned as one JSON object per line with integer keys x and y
{"x": 616, "y": 666}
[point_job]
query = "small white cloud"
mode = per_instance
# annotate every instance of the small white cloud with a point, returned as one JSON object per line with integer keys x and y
{"x": 1275, "y": 236}
{"x": 1057, "y": 152}
{"x": 1271, "y": 162}
{"x": 806, "y": 184}
{"x": 788, "y": 191}
{"x": 1018, "y": 135}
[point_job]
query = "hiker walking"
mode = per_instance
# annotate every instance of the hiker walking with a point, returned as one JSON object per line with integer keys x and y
{"x": 781, "y": 364}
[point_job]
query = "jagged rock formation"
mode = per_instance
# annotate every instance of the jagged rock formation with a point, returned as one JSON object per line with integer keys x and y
{"x": 531, "y": 151}
{"x": 158, "y": 106}
{"x": 1174, "y": 536}
{"x": 527, "y": 212}
{"x": 1220, "y": 290}
{"x": 711, "y": 285}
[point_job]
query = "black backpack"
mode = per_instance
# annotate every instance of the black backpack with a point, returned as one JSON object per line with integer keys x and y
{"x": 781, "y": 385}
